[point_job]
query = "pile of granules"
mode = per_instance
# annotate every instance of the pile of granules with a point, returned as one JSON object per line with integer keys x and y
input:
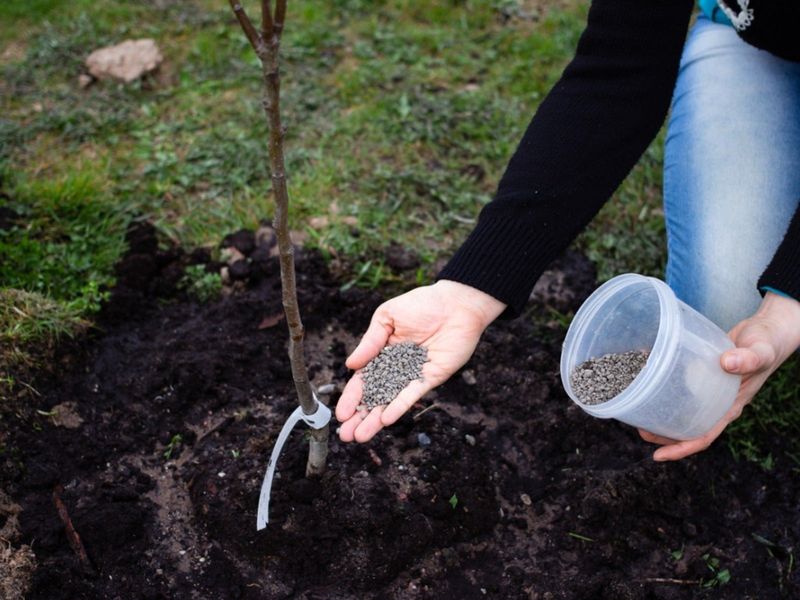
{"x": 599, "y": 380}
{"x": 386, "y": 375}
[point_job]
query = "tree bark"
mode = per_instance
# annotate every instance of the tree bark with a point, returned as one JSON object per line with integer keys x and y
{"x": 267, "y": 47}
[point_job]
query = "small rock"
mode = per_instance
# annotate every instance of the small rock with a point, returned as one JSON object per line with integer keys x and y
{"x": 126, "y": 61}
{"x": 400, "y": 258}
{"x": 469, "y": 377}
{"x": 84, "y": 80}
{"x": 423, "y": 440}
{"x": 526, "y": 500}
{"x": 66, "y": 415}
{"x": 470, "y": 439}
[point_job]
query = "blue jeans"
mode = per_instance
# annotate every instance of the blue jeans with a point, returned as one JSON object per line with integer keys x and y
{"x": 731, "y": 170}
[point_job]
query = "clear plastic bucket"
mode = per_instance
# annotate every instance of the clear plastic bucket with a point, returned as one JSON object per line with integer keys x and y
{"x": 682, "y": 391}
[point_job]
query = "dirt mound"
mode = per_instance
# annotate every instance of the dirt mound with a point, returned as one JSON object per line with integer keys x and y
{"x": 501, "y": 489}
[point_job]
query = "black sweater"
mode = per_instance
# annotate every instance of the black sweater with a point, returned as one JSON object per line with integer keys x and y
{"x": 585, "y": 138}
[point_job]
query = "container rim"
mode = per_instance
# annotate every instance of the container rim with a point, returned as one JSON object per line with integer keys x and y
{"x": 661, "y": 355}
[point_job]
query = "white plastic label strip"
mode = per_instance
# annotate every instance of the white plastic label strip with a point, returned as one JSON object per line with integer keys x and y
{"x": 318, "y": 420}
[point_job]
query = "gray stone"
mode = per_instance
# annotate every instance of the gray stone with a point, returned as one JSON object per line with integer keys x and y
{"x": 126, "y": 61}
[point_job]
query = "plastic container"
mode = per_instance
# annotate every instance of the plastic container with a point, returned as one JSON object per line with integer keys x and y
{"x": 682, "y": 391}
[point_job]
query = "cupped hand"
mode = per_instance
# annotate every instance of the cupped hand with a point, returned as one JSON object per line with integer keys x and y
{"x": 763, "y": 342}
{"x": 447, "y": 318}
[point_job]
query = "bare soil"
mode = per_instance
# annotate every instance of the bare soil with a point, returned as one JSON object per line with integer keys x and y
{"x": 519, "y": 494}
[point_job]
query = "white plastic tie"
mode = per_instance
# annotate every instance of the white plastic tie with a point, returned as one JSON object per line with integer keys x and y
{"x": 318, "y": 420}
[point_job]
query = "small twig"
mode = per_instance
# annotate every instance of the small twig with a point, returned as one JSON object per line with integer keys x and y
{"x": 72, "y": 536}
{"x": 252, "y": 35}
{"x": 30, "y": 387}
{"x": 670, "y": 580}
{"x": 375, "y": 458}
{"x": 280, "y": 17}
{"x": 266, "y": 20}
{"x": 424, "y": 410}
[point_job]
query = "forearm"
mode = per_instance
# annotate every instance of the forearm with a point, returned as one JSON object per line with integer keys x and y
{"x": 584, "y": 139}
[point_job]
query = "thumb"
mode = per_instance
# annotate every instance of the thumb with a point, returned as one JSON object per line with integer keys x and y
{"x": 372, "y": 343}
{"x": 748, "y": 359}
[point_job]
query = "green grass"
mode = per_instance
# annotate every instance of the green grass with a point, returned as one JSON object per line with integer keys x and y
{"x": 774, "y": 410}
{"x": 66, "y": 236}
{"x": 400, "y": 116}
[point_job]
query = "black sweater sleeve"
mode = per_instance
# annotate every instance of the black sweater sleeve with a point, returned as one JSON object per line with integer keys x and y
{"x": 783, "y": 272}
{"x": 585, "y": 138}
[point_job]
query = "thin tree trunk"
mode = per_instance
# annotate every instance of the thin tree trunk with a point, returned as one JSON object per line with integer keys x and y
{"x": 267, "y": 46}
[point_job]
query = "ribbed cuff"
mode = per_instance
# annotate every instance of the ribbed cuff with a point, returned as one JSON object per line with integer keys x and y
{"x": 772, "y": 290}
{"x": 783, "y": 272}
{"x": 504, "y": 258}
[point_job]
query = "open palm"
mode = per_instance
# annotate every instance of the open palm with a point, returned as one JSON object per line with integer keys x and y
{"x": 446, "y": 318}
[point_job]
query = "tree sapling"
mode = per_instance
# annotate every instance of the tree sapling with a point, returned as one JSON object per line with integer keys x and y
{"x": 266, "y": 44}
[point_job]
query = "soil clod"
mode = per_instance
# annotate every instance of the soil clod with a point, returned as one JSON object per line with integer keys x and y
{"x": 386, "y": 375}
{"x": 598, "y": 380}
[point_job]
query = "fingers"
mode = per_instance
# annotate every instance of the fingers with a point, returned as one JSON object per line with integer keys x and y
{"x": 681, "y": 450}
{"x": 362, "y": 426}
{"x": 357, "y": 425}
{"x": 369, "y": 426}
{"x": 655, "y": 439}
{"x": 378, "y": 332}
{"x": 749, "y": 359}
{"x": 405, "y": 400}
{"x": 350, "y": 398}
{"x": 347, "y": 430}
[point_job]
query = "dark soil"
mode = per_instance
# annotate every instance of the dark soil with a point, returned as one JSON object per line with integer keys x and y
{"x": 515, "y": 492}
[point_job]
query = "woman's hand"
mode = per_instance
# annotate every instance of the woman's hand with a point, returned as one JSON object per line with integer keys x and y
{"x": 446, "y": 318}
{"x": 763, "y": 343}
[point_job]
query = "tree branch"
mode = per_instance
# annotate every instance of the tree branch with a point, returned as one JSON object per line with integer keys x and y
{"x": 69, "y": 529}
{"x": 280, "y": 17}
{"x": 253, "y": 36}
{"x": 266, "y": 20}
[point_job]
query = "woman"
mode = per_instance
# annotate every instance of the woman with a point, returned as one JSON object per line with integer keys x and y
{"x": 731, "y": 192}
